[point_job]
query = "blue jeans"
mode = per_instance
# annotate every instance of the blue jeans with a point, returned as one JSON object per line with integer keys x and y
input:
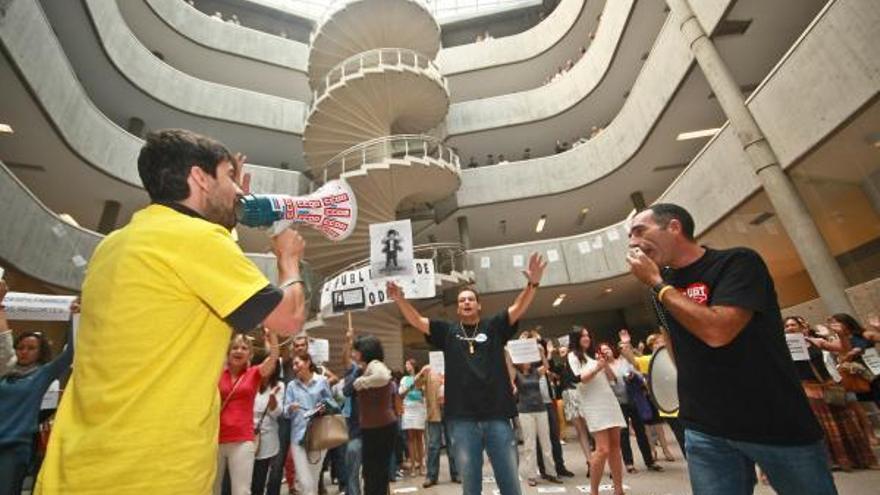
{"x": 718, "y": 466}
{"x": 470, "y": 438}
{"x": 435, "y": 433}
{"x": 353, "y": 466}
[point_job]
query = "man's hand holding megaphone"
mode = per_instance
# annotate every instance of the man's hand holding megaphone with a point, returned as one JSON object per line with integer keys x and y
{"x": 332, "y": 209}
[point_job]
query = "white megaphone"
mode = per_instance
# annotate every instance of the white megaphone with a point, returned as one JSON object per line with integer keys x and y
{"x": 332, "y": 210}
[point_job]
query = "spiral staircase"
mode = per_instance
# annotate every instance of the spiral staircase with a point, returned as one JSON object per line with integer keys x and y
{"x": 377, "y": 96}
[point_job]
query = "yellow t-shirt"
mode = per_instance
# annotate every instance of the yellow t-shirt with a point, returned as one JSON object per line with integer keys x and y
{"x": 644, "y": 363}
{"x": 141, "y": 412}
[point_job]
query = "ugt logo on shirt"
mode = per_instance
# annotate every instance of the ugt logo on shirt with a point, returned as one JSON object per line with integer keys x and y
{"x": 697, "y": 292}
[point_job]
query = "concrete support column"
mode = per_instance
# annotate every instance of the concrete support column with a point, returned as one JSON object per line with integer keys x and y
{"x": 109, "y": 216}
{"x": 638, "y": 200}
{"x": 136, "y": 127}
{"x": 821, "y": 266}
{"x": 464, "y": 233}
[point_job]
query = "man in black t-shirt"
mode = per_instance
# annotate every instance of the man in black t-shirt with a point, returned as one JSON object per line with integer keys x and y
{"x": 740, "y": 399}
{"x": 478, "y": 398}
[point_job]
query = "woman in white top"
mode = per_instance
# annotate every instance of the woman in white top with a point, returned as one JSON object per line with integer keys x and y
{"x": 267, "y": 408}
{"x": 599, "y": 406}
{"x": 414, "y": 414}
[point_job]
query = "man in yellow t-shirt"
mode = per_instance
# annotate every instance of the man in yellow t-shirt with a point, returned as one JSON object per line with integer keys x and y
{"x": 159, "y": 302}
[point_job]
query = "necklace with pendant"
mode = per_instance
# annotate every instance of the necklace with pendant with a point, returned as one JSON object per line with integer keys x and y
{"x": 470, "y": 338}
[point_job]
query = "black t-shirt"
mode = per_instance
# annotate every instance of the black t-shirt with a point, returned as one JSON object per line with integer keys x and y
{"x": 747, "y": 390}
{"x": 477, "y": 385}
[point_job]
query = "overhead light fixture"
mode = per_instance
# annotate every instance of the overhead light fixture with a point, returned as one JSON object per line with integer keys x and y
{"x": 761, "y": 218}
{"x": 705, "y": 133}
{"x": 558, "y": 300}
{"x": 6, "y": 129}
{"x": 540, "y": 227}
{"x": 609, "y": 290}
{"x": 67, "y": 218}
{"x": 583, "y": 216}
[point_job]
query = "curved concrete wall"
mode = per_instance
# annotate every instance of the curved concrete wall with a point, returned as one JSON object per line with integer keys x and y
{"x": 797, "y": 106}
{"x": 516, "y": 48}
{"x": 182, "y": 91}
{"x": 230, "y": 38}
{"x": 654, "y": 88}
{"x": 568, "y": 19}
{"x": 227, "y": 54}
{"x": 546, "y": 101}
{"x": 32, "y": 48}
{"x": 36, "y": 242}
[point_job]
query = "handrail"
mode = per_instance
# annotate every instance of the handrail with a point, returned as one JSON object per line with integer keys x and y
{"x": 387, "y": 147}
{"x": 394, "y": 57}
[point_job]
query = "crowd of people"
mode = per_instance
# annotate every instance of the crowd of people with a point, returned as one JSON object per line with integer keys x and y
{"x": 192, "y": 373}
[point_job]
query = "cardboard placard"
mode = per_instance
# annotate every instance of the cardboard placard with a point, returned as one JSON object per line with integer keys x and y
{"x": 421, "y": 285}
{"x": 391, "y": 249}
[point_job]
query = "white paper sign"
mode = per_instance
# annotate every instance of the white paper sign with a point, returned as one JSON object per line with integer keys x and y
{"x": 797, "y": 346}
{"x": 872, "y": 360}
{"x": 319, "y": 349}
{"x": 391, "y": 249}
{"x": 552, "y": 255}
{"x": 42, "y": 307}
{"x": 613, "y": 235}
{"x": 523, "y": 351}
{"x": 485, "y": 262}
{"x": 584, "y": 247}
{"x": 597, "y": 242}
{"x": 437, "y": 362}
{"x": 518, "y": 261}
{"x": 563, "y": 340}
{"x": 421, "y": 285}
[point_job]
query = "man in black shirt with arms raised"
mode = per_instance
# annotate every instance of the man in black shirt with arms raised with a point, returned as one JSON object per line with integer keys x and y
{"x": 479, "y": 401}
{"x": 741, "y": 401}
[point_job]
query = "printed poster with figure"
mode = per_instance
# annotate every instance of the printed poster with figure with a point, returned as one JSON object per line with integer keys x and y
{"x": 391, "y": 249}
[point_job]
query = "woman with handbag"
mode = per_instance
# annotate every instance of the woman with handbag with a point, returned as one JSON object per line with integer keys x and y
{"x": 306, "y": 397}
{"x": 267, "y": 409}
{"x": 239, "y": 384}
{"x": 847, "y": 442}
{"x": 628, "y": 379}
{"x": 375, "y": 395}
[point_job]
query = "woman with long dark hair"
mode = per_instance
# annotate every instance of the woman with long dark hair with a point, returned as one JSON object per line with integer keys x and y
{"x": 600, "y": 409}
{"x": 375, "y": 395}
{"x": 22, "y": 386}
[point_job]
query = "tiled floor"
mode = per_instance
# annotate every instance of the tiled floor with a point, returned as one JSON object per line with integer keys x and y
{"x": 672, "y": 481}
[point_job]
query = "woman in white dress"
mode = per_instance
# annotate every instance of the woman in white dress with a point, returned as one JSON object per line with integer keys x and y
{"x": 414, "y": 415}
{"x": 599, "y": 406}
